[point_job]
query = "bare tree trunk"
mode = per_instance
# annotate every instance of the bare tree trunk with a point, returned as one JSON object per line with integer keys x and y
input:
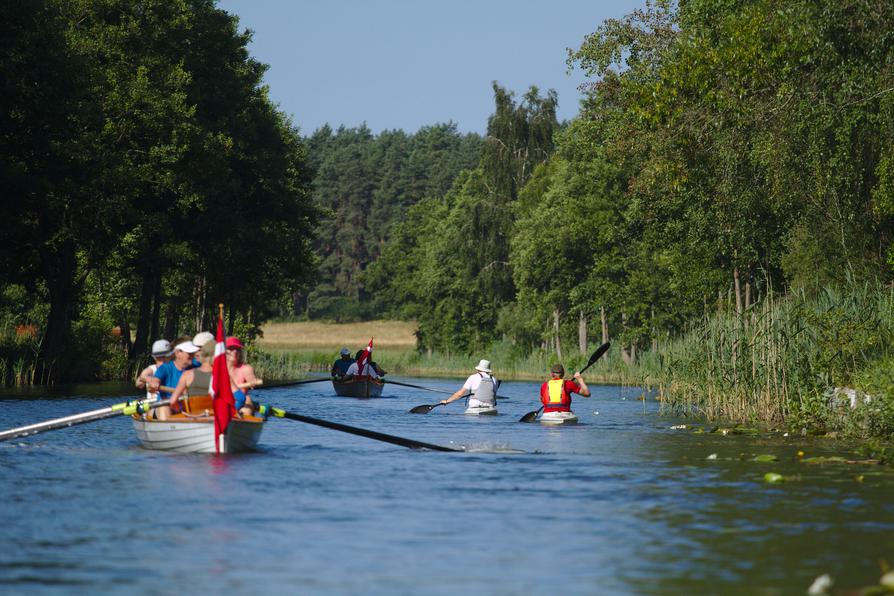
{"x": 747, "y": 295}
{"x": 604, "y": 322}
{"x": 626, "y": 355}
{"x": 582, "y": 333}
{"x": 737, "y": 288}
{"x": 556, "y": 331}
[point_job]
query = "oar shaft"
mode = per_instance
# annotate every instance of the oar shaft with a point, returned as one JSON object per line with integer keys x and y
{"x": 126, "y": 409}
{"x": 370, "y": 434}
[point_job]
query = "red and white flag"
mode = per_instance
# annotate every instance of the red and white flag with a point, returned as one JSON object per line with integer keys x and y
{"x": 221, "y": 393}
{"x": 365, "y": 357}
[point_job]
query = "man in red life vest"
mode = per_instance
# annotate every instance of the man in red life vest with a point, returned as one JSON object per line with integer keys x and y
{"x": 555, "y": 394}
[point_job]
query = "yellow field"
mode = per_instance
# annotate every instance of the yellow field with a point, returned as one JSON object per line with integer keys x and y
{"x": 385, "y": 334}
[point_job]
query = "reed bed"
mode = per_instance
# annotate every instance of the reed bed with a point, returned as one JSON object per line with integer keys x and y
{"x": 781, "y": 360}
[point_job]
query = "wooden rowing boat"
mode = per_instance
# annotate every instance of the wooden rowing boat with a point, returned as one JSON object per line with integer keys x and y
{"x": 192, "y": 430}
{"x": 359, "y": 387}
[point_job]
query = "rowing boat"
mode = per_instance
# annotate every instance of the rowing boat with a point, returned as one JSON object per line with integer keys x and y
{"x": 555, "y": 418}
{"x": 481, "y": 411}
{"x": 192, "y": 430}
{"x": 358, "y": 387}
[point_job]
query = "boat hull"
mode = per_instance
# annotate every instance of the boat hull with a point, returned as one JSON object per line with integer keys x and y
{"x": 363, "y": 387}
{"x": 556, "y": 418}
{"x": 481, "y": 411}
{"x": 194, "y": 433}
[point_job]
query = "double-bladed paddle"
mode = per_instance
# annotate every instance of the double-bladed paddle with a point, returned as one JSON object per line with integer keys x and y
{"x": 426, "y": 408}
{"x": 531, "y": 416}
{"x": 370, "y": 434}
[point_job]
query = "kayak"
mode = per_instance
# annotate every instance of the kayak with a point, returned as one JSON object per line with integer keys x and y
{"x": 482, "y": 411}
{"x": 555, "y": 418}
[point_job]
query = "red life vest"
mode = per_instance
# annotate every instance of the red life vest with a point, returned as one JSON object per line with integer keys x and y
{"x": 554, "y": 396}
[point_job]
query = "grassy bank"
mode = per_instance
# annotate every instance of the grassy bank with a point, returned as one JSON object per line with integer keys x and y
{"x": 289, "y": 350}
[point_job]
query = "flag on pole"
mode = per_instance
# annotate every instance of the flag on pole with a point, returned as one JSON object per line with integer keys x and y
{"x": 364, "y": 360}
{"x": 221, "y": 393}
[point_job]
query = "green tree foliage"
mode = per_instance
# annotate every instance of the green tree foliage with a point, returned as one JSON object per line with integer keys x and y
{"x": 366, "y": 183}
{"x": 153, "y": 176}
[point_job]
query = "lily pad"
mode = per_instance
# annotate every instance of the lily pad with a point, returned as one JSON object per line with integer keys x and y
{"x": 773, "y": 477}
{"x": 765, "y": 457}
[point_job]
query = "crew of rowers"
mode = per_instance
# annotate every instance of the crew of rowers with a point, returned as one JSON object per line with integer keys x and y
{"x": 186, "y": 369}
{"x": 346, "y": 368}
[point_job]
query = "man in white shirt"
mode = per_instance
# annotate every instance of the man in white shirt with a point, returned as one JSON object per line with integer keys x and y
{"x": 369, "y": 369}
{"x": 482, "y": 385}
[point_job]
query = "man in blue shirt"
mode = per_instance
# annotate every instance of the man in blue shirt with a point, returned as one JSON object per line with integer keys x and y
{"x": 168, "y": 374}
{"x": 340, "y": 366}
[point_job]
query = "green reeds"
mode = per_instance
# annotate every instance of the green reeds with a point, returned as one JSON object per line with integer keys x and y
{"x": 776, "y": 361}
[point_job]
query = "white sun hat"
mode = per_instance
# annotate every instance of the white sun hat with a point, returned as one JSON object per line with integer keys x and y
{"x": 484, "y": 366}
{"x": 188, "y": 347}
{"x": 202, "y": 338}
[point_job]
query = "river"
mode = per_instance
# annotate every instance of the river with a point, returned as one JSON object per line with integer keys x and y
{"x": 620, "y": 504}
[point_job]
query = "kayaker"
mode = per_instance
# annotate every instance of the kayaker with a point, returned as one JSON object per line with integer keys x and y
{"x": 340, "y": 366}
{"x": 481, "y": 387}
{"x": 168, "y": 374}
{"x": 370, "y": 369}
{"x": 242, "y": 376}
{"x": 555, "y": 394}
{"x": 161, "y": 353}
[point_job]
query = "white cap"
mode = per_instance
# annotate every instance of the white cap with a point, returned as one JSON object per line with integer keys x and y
{"x": 188, "y": 347}
{"x": 345, "y": 352}
{"x": 161, "y": 348}
{"x": 202, "y": 338}
{"x": 484, "y": 366}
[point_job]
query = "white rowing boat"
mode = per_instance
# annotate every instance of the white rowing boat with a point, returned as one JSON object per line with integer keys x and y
{"x": 482, "y": 411}
{"x": 192, "y": 430}
{"x": 555, "y": 418}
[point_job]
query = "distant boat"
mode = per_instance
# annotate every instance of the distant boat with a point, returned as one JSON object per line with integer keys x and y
{"x": 192, "y": 430}
{"x": 359, "y": 387}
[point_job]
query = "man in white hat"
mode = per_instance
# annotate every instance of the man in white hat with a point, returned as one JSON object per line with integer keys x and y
{"x": 161, "y": 353}
{"x": 482, "y": 386}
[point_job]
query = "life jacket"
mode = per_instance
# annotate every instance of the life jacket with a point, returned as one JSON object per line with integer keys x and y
{"x": 557, "y": 399}
{"x": 485, "y": 393}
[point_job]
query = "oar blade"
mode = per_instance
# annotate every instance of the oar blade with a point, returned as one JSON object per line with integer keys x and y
{"x": 530, "y": 416}
{"x": 423, "y": 409}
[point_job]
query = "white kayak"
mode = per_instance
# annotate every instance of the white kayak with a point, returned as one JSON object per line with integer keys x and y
{"x": 558, "y": 418}
{"x": 482, "y": 411}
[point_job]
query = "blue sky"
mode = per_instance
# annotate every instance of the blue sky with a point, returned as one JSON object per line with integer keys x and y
{"x": 407, "y": 64}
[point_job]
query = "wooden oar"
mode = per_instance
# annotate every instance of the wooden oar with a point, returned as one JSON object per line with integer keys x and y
{"x": 427, "y": 389}
{"x": 531, "y": 416}
{"x": 123, "y": 409}
{"x": 370, "y": 434}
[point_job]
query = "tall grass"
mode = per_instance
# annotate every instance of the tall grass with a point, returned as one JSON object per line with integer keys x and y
{"x": 779, "y": 360}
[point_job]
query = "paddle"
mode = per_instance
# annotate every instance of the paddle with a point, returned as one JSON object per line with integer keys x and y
{"x": 531, "y": 416}
{"x": 302, "y": 382}
{"x": 370, "y": 434}
{"x": 123, "y": 409}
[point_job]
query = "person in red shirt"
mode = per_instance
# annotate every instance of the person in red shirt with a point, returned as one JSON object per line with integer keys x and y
{"x": 555, "y": 394}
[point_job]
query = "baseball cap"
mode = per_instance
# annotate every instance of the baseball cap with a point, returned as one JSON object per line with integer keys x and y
{"x": 233, "y": 342}
{"x": 345, "y": 352}
{"x": 161, "y": 348}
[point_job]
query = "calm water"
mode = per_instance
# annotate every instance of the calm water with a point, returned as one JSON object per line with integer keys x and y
{"x": 619, "y": 504}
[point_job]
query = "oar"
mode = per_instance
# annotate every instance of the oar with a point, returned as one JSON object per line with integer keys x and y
{"x": 370, "y": 434}
{"x": 124, "y": 409}
{"x": 425, "y": 408}
{"x": 302, "y": 382}
{"x": 427, "y": 389}
{"x": 531, "y": 416}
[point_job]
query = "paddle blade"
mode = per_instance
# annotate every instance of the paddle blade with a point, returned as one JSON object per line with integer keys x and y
{"x": 530, "y": 416}
{"x": 424, "y": 409}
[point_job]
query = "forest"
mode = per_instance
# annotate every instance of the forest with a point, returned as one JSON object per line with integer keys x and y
{"x": 721, "y": 209}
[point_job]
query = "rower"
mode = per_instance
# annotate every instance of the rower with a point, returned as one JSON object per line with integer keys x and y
{"x": 340, "y": 366}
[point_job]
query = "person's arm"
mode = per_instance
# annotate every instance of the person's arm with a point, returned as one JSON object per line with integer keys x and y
{"x": 460, "y": 393}
{"x": 584, "y": 390}
{"x": 143, "y": 377}
{"x": 182, "y": 384}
